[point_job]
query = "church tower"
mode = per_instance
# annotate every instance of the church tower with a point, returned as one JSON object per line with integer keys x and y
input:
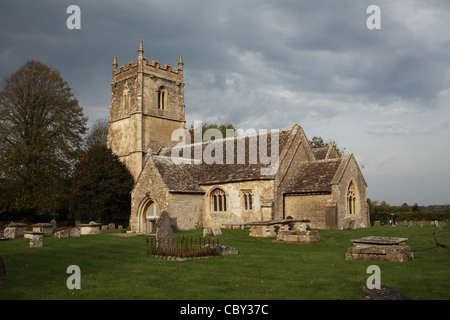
{"x": 147, "y": 105}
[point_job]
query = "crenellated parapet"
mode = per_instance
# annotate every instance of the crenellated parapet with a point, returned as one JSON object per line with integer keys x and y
{"x": 147, "y": 105}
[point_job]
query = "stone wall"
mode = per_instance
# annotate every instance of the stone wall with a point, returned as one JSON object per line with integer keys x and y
{"x": 149, "y": 187}
{"x": 187, "y": 210}
{"x": 299, "y": 151}
{"x": 351, "y": 173}
{"x": 310, "y": 207}
{"x": 262, "y": 199}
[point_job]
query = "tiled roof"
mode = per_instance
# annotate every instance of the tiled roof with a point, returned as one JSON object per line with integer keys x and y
{"x": 188, "y": 175}
{"x": 315, "y": 176}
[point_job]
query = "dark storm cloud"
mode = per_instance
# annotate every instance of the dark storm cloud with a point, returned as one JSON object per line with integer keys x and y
{"x": 265, "y": 64}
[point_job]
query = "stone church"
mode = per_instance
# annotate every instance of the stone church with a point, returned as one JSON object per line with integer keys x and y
{"x": 296, "y": 181}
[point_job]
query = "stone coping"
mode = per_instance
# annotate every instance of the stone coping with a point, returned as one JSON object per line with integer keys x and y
{"x": 380, "y": 241}
{"x": 17, "y": 225}
{"x": 89, "y": 225}
{"x": 273, "y": 222}
{"x": 43, "y": 225}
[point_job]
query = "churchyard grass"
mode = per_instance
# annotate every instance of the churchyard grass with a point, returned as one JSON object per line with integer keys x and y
{"x": 117, "y": 268}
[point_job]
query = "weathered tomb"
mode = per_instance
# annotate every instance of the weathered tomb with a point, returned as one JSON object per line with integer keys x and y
{"x": 46, "y": 228}
{"x": 30, "y": 235}
{"x": 380, "y": 249}
{"x": 14, "y": 230}
{"x": 90, "y": 228}
{"x": 272, "y": 228}
{"x": 298, "y": 236}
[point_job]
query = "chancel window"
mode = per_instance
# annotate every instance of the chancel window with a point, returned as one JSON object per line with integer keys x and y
{"x": 218, "y": 200}
{"x": 351, "y": 199}
{"x": 248, "y": 200}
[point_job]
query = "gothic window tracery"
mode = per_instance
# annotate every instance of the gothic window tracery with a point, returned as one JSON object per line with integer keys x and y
{"x": 351, "y": 199}
{"x": 218, "y": 200}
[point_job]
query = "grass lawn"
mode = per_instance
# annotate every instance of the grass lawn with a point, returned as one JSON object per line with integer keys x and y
{"x": 117, "y": 268}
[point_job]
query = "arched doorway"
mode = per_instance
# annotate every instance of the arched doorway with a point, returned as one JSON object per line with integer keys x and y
{"x": 149, "y": 215}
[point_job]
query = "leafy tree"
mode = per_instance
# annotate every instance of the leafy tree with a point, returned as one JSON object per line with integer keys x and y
{"x": 415, "y": 208}
{"x": 317, "y": 142}
{"x": 98, "y": 133}
{"x": 206, "y": 126}
{"x": 101, "y": 186}
{"x": 41, "y": 128}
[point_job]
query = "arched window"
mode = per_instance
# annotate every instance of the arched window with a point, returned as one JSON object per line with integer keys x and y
{"x": 351, "y": 199}
{"x": 125, "y": 100}
{"x": 248, "y": 200}
{"x": 162, "y": 98}
{"x": 218, "y": 200}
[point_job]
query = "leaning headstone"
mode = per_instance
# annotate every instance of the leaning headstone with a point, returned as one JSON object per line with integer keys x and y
{"x": 9, "y": 233}
{"x": 164, "y": 233}
{"x": 2, "y": 272}
{"x": 217, "y": 232}
{"x": 347, "y": 223}
{"x": 207, "y": 232}
{"x": 63, "y": 234}
{"x": 74, "y": 233}
{"x": 36, "y": 242}
{"x": 53, "y": 222}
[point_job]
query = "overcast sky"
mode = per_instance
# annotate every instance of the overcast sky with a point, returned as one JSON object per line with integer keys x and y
{"x": 381, "y": 94}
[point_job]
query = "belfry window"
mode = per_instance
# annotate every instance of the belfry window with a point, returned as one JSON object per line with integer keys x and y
{"x": 162, "y": 98}
{"x": 218, "y": 200}
{"x": 351, "y": 199}
{"x": 125, "y": 100}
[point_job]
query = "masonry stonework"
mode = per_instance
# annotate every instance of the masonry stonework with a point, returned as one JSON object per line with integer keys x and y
{"x": 147, "y": 106}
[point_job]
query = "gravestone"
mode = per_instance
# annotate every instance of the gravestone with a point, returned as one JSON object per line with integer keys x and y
{"x": 74, "y": 233}
{"x": 383, "y": 293}
{"x": 46, "y": 228}
{"x": 104, "y": 228}
{"x": 207, "y": 232}
{"x": 2, "y": 272}
{"x": 349, "y": 224}
{"x": 111, "y": 226}
{"x": 9, "y": 233}
{"x": 379, "y": 249}
{"x": 36, "y": 242}
{"x": 377, "y": 224}
{"x": 164, "y": 233}
{"x": 19, "y": 228}
{"x": 63, "y": 234}
{"x": 217, "y": 232}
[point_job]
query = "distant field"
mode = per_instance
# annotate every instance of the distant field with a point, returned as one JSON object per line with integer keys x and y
{"x": 118, "y": 268}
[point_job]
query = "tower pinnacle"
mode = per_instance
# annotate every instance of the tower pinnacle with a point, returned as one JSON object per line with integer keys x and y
{"x": 141, "y": 49}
